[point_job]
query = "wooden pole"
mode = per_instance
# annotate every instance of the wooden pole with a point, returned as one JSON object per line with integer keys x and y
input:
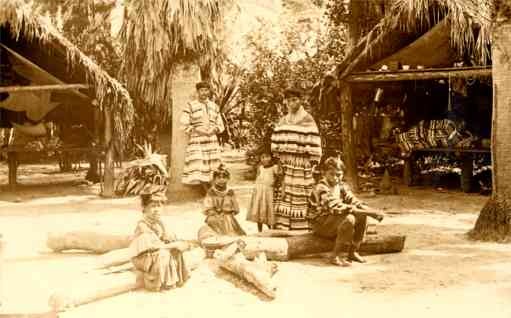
{"x": 348, "y": 136}
{"x": 12, "y": 159}
{"x": 109, "y": 176}
{"x": 413, "y": 75}
{"x": 4, "y": 89}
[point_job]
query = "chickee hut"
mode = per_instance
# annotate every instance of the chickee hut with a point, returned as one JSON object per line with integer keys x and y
{"x": 45, "y": 78}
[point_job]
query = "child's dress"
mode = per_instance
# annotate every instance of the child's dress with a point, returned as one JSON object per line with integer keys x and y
{"x": 220, "y": 207}
{"x": 261, "y": 204}
{"x": 161, "y": 267}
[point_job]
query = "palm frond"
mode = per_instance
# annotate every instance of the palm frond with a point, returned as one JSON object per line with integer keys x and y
{"x": 158, "y": 35}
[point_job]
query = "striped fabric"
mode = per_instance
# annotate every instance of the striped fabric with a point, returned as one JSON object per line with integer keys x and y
{"x": 326, "y": 200}
{"x": 296, "y": 142}
{"x": 202, "y": 154}
{"x": 427, "y": 134}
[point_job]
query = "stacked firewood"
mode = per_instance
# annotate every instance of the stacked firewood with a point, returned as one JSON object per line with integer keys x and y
{"x": 147, "y": 175}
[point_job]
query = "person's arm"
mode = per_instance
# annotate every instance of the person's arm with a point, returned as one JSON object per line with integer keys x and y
{"x": 234, "y": 202}
{"x": 209, "y": 206}
{"x": 359, "y": 207}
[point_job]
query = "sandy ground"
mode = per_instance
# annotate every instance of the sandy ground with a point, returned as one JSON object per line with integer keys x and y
{"x": 440, "y": 273}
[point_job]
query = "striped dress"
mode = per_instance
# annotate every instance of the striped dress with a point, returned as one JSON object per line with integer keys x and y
{"x": 202, "y": 154}
{"x": 296, "y": 142}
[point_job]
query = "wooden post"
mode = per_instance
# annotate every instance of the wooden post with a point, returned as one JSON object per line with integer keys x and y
{"x": 467, "y": 167}
{"x": 13, "y": 169}
{"x": 108, "y": 180}
{"x": 348, "y": 136}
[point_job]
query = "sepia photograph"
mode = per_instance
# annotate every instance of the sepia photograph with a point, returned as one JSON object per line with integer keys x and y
{"x": 255, "y": 158}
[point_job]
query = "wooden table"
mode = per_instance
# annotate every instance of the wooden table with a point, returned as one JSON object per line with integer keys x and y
{"x": 467, "y": 163}
{"x": 13, "y": 160}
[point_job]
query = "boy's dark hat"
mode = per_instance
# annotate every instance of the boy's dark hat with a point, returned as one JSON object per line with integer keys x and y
{"x": 148, "y": 197}
{"x": 293, "y": 92}
{"x": 202, "y": 84}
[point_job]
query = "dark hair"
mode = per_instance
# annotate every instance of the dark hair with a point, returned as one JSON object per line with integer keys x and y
{"x": 333, "y": 163}
{"x": 221, "y": 171}
{"x": 147, "y": 198}
{"x": 202, "y": 84}
{"x": 293, "y": 92}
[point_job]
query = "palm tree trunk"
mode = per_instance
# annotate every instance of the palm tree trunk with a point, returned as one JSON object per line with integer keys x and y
{"x": 494, "y": 221}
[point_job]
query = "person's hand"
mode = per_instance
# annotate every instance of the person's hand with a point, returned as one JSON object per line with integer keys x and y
{"x": 203, "y": 131}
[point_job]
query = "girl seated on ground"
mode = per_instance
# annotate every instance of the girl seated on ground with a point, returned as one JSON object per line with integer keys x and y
{"x": 162, "y": 267}
{"x": 221, "y": 205}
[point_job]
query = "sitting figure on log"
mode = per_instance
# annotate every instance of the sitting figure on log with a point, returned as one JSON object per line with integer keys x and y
{"x": 221, "y": 205}
{"x": 160, "y": 262}
{"x": 335, "y": 213}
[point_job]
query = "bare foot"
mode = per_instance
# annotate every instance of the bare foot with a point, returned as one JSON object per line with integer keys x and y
{"x": 340, "y": 261}
{"x": 356, "y": 257}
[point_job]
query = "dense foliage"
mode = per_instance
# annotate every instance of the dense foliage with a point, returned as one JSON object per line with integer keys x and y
{"x": 302, "y": 58}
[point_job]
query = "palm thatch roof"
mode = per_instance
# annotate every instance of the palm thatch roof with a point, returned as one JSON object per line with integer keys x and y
{"x": 160, "y": 34}
{"x": 468, "y": 21}
{"x": 34, "y": 37}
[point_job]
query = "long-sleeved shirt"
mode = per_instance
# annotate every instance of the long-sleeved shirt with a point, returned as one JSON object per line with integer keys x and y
{"x": 326, "y": 199}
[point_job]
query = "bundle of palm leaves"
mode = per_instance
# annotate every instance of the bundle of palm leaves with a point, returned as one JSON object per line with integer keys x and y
{"x": 147, "y": 175}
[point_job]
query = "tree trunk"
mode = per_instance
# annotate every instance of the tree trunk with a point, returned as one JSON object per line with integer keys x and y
{"x": 85, "y": 240}
{"x": 494, "y": 221}
{"x": 259, "y": 272}
{"x": 292, "y": 247}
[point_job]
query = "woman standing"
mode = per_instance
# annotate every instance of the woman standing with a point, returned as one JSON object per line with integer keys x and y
{"x": 202, "y": 121}
{"x": 297, "y": 144}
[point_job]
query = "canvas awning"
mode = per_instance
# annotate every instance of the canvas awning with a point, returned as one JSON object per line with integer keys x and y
{"x": 431, "y": 50}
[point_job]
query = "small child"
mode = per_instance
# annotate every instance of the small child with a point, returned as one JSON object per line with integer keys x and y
{"x": 221, "y": 205}
{"x": 335, "y": 213}
{"x": 261, "y": 204}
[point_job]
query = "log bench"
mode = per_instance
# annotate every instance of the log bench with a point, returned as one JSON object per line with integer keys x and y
{"x": 466, "y": 156}
{"x": 14, "y": 161}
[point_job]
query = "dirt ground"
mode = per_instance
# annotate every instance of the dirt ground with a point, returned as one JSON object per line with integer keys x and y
{"x": 440, "y": 273}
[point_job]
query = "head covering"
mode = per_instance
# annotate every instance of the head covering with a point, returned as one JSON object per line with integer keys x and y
{"x": 221, "y": 171}
{"x": 148, "y": 197}
{"x": 202, "y": 84}
{"x": 293, "y": 92}
{"x": 333, "y": 163}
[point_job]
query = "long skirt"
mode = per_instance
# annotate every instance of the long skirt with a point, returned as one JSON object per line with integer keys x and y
{"x": 292, "y": 205}
{"x": 225, "y": 224}
{"x": 162, "y": 268}
{"x": 202, "y": 156}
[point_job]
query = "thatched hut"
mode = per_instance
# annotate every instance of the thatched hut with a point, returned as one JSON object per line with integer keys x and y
{"x": 427, "y": 37}
{"x": 47, "y": 78}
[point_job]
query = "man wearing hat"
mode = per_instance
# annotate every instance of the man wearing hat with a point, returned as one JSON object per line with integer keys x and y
{"x": 297, "y": 144}
{"x": 202, "y": 121}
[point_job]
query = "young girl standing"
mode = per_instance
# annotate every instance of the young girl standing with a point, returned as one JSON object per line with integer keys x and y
{"x": 261, "y": 204}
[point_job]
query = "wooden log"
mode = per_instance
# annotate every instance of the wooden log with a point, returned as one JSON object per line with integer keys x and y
{"x": 193, "y": 256}
{"x": 109, "y": 175}
{"x": 258, "y": 273}
{"x": 348, "y": 139}
{"x": 292, "y": 247}
{"x": 87, "y": 240}
{"x": 93, "y": 288}
{"x": 26, "y": 88}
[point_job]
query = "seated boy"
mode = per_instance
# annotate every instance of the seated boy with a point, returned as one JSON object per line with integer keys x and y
{"x": 334, "y": 212}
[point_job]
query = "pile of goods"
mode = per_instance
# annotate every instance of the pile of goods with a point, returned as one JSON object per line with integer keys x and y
{"x": 147, "y": 174}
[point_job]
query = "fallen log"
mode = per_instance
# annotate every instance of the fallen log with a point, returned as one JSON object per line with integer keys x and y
{"x": 98, "y": 285}
{"x": 87, "y": 240}
{"x": 292, "y": 247}
{"x": 259, "y": 272}
{"x": 93, "y": 288}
